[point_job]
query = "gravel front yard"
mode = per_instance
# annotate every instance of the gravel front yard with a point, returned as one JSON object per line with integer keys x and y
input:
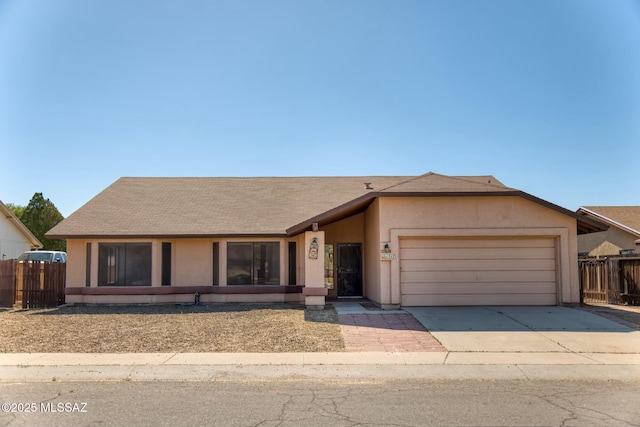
{"x": 170, "y": 328}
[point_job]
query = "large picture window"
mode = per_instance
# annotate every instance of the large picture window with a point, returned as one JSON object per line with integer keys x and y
{"x": 124, "y": 264}
{"x": 253, "y": 263}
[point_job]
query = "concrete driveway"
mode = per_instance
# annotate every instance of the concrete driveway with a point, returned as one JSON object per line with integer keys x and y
{"x": 525, "y": 329}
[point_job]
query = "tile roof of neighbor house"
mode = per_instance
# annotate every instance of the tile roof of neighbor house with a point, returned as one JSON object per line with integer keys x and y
{"x": 267, "y": 206}
{"x": 624, "y": 217}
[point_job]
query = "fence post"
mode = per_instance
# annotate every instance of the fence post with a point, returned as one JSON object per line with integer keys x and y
{"x": 7, "y": 282}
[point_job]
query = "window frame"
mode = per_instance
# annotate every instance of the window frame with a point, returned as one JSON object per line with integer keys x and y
{"x": 124, "y": 264}
{"x": 262, "y": 268}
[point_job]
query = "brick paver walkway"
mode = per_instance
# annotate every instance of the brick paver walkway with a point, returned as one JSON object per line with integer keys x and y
{"x": 386, "y": 332}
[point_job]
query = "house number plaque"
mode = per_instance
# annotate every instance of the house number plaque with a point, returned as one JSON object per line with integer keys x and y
{"x": 313, "y": 249}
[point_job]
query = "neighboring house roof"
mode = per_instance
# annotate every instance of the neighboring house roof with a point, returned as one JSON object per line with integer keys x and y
{"x": 626, "y": 218}
{"x": 28, "y": 235}
{"x": 275, "y": 206}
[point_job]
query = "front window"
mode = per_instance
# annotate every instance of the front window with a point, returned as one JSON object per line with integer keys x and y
{"x": 253, "y": 263}
{"x": 124, "y": 264}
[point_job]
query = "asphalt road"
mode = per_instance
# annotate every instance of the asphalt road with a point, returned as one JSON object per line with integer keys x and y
{"x": 323, "y": 403}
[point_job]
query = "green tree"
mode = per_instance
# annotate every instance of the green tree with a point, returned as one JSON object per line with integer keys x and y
{"x": 16, "y": 209}
{"x": 40, "y": 216}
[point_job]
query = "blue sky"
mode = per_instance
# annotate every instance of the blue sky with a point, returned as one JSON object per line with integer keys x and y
{"x": 544, "y": 94}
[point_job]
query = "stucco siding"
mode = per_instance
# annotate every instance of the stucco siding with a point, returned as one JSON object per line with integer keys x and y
{"x": 373, "y": 266}
{"x": 191, "y": 266}
{"x": 470, "y": 212}
{"x": 192, "y": 262}
{"x": 481, "y": 217}
{"x": 76, "y": 263}
{"x": 348, "y": 230}
{"x": 606, "y": 242}
{"x": 300, "y": 253}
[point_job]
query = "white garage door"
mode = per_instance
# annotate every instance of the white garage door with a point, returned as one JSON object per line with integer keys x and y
{"x": 478, "y": 271}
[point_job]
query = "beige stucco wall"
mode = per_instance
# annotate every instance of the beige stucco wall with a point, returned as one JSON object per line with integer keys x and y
{"x": 300, "y": 266}
{"x": 469, "y": 216}
{"x": 192, "y": 265}
{"x": 348, "y": 230}
{"x": 76, "y": 263}
{"x": 192, "y": 260}
{"x": 314, "y": 289}
{"x": 606, "y": 242}
{"x": 375, "y": 271}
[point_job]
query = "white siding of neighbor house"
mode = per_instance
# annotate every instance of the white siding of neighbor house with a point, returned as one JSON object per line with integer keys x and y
{"x": 12, "y": 242}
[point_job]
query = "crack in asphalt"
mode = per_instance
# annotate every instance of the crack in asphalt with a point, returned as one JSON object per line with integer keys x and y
{"x": 322, "y": 407}
{"x": 561, "y": 400}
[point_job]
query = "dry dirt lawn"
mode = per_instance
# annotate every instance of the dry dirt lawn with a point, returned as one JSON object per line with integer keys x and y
{"x": 170, "y": 328}
{"x": 226, "y": 328}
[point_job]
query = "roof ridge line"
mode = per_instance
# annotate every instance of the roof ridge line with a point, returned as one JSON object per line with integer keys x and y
{"x": 459, "y": 178}
{"x": 409, "y": 180}
{"x": 462, "y": 178}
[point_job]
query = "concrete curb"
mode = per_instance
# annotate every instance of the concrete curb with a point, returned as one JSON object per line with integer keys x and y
{"x": 311, "y": 359}
{"x": 35, "y": 367}
{"x": 355, "y": 373}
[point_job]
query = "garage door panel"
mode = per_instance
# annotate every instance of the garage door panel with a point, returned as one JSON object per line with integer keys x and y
{"x": 477, "y": 253}
{"x": 480, "y": 289}
{"x": 470, "y": 276}
{"x": 455, "y": 300}
{"x": 465, "y": 271}
{"x": 438, "y": 243}
{"x": 486, "y": 265}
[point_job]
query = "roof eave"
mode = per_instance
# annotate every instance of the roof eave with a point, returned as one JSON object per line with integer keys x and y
{"x": 585, "y": 213}
{"x": 584, "y": 225}
{"x": 35, "y": 243}
{"x": 357, "y": 205}
{"x": 166, "y": 236}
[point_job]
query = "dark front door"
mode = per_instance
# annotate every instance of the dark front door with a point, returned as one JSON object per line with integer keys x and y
{"x": 349, "y": 266}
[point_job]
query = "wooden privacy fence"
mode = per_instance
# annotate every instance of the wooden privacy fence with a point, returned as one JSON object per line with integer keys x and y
{"x": 613, "y": 280}
{"x": 32, "y": 284}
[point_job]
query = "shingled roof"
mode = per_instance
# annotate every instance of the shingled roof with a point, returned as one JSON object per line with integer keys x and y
{"x": 211, "y": 206}
{"x": 626, "y": 218}
{"x": 258, "y": 206}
